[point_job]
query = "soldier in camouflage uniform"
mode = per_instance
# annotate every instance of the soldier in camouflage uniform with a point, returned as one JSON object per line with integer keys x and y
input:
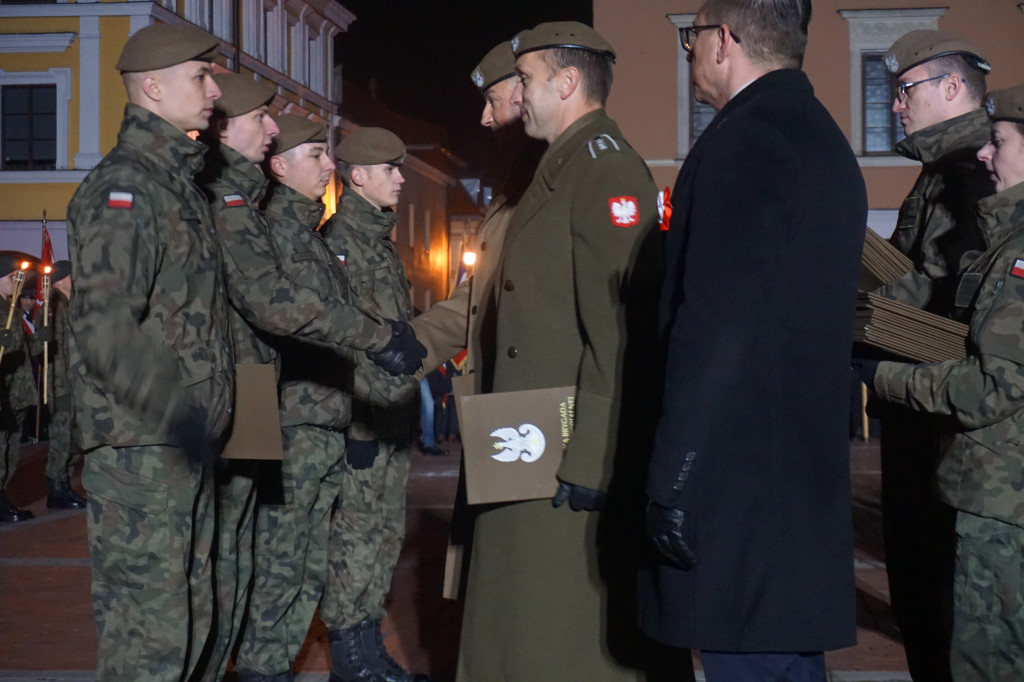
{"x": 981, "y": 397}
{"x": 60, "y": 455}
{"x": 150, "y": 354}
{"x": 264, "y": 300}
{"x": 941, "y": 83}
{"x": 17, "y": 390}
{"x": 368, "y": 525}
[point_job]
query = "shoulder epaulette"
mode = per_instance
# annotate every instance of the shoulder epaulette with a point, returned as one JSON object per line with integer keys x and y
{"x": 602, "y": 143}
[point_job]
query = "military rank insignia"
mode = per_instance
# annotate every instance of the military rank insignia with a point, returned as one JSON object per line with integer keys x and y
{"x": 233, "y": 200}
{"x": 623, "y": 211}
{"x": 120, "y": 200}
{"x": 1018, "y": 268}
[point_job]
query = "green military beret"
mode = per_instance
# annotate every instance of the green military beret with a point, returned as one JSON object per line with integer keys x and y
{"x": 370, "y": 146}
{"x": 240, "y": 94}
{"x": 1006, "y": 105}
{"x": 918, "y": 47}
{"x": 61, "y": 269}
{"x": 561, "y": 34}
{"x": 158, "y": 46}
{"x": 296, "y": 130}
{"x": 496, "y": 66}
{"x": 7, "y": 265}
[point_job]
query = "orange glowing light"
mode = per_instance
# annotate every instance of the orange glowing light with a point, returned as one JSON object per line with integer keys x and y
{"x": 469, "y": 258}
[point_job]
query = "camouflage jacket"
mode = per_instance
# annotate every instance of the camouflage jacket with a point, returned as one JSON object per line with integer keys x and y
{"x": 937, "y": 227}
{"x": 383, "y": 407}
{"x": 257, "y": 285}
{"x": 58, "y": 384}
{"x": 17, "y": 387}
{"x": 982, "y": 469}
{"x": 314, "y": 381}
{"x": 149, "y": 314}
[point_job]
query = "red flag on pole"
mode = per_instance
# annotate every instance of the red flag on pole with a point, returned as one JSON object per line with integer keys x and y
{"x": 46, "y": 260}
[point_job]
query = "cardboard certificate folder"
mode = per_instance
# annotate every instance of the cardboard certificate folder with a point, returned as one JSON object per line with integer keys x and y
{"x": 513, "y": 442}
{"x": 257, "y": 430}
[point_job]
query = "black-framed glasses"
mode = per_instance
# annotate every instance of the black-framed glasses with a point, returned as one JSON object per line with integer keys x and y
{"x": 688, "y": 34}
{"x": 901, "y": 88}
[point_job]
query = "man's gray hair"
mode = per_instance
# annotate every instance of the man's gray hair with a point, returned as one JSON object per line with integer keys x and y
{"x": 771, "y": 32}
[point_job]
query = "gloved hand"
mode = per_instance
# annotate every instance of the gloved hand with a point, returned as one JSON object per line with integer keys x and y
{"x": 44, "y": 334}
{"x": 865, "y": 369}
{"x": 665, "y": 530}
{"x": 580, "y": 498}
{"x": 189, "y": 431}
{"x": 361, "y": 453}
{"x": 403, "y": 354}
{"x": 7, "y": 338}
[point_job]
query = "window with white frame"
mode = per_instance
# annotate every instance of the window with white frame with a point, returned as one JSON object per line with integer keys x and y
{"x": 34, "y": 119}
{"x": 872, "y": 31}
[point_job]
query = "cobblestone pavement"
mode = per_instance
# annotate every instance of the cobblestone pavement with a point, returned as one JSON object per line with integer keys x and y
{"x": 46, "y": 615}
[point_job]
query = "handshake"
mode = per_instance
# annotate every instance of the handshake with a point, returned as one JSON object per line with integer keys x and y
{"x": 404, "y": 353}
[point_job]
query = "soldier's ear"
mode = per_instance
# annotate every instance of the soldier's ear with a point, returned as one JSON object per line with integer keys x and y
{"x": 150, "y": 87}
{"x": 278, "y": 166}
{"x": 358, "y": 176}
{"x": 568, "y": 81}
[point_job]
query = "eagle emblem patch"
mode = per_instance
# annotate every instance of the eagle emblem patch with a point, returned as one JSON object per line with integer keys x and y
{"x": 623, "y": 211}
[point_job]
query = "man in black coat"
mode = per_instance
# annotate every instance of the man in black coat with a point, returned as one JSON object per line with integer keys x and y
{"x": 749, "y": 478}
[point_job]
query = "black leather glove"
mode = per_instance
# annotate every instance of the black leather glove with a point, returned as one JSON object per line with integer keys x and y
{"x": 6, "y": 338}
{"x": 361, "y": 453}
{"x": 44, "y": 334}
{"x": 865, "y": 369}
{"x": 190, "y": 432}
{"x": 403, "y": 354}
{"x": 580, "y": 498}
{"x": 665, "y": 530}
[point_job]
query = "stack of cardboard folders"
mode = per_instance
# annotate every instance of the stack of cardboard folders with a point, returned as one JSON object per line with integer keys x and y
{"x": 896, "y": 328}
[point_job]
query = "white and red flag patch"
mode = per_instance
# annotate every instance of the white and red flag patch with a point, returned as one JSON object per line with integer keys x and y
{"x": 1018, "y": 268}
{"x": 233, "y": 200}
{"x": 624, "y": 211}
{"x": 120, "y": 200}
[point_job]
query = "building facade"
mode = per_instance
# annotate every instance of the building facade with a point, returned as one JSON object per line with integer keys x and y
{"x": 653, "y": 102}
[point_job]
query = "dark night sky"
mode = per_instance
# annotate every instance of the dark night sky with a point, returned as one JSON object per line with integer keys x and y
{"x": 421, "y": 54}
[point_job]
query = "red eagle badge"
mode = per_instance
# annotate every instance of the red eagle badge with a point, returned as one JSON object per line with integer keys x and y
{"x": 624, "y": 211}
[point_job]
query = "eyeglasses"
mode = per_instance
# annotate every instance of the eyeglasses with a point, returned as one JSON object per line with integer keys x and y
{"x": 901, "y": 88}
{"x": 688, "y": 34}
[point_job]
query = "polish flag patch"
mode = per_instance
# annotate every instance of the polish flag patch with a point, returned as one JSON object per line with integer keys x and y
{"x": 1018, "y": 268}
{"x": 233, "y": 200}
{"x": 120, "y": 200}
{"x": 624, "y": 211}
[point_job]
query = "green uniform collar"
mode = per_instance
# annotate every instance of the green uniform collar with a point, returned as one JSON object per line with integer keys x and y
{"x": 287, "y": 202}
{"x": 556, "y": 158}
{"x": 1001, "y": 213}
{"x": 228, "y": 165}
{"x": 971, "y": 130}
{"x": 367, "y": 218}
{"x": 154, "y": 137}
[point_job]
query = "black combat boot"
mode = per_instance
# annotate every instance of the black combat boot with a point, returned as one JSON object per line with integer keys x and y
{"x": 11, "y": 514}
{"x": 63, "y": 496}
{"x": 252, "y": 676}
{"x": 358, "y": 655}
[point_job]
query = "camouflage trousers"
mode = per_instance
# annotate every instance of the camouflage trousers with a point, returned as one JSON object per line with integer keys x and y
{"x": 988, "y": 619}
{"x": 233, "y": 557}
{"x": 59, "y": 458}
{"x": 10, "y": 447}
{"x": 367, "y": 530}
{"x": 291, "y": 550}
{"x": 151, "y": 532}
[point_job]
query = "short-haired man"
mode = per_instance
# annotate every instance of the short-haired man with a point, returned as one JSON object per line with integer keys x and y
{"x": 54, "y": 333}
{"x": 151, "y": 352}
{"x": 940, "y": 80}
{"x": 17, "y": 390}
{"x": 573, "y": 260}
{"x": 368, "y": 525}
{"x": 749, "y": 476}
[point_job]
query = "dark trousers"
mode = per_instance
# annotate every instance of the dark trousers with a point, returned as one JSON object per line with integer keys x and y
{"x": 920, "y": 543}
{"x": 725, "y": 666}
